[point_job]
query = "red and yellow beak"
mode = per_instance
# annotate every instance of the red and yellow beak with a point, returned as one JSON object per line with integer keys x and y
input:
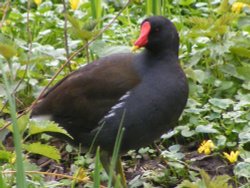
{"x": 143, "y": 38}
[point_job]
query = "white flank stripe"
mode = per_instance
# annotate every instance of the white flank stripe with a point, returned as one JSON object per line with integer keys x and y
{"x": 42, "y": 117}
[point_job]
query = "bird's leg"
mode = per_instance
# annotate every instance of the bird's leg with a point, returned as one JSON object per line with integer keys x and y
{"x": 117, "y": 174}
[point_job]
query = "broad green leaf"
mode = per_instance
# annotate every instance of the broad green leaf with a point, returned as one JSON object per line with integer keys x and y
{"x": 206, "y": 129}
{"x": 174, "y": 148}
{"x": 221, "y": 140}
{"x": 242, "y": 169}
{"x": 7, "y": 47}
{"x": 244, "y": 21}
{"x": 245, "y": 154}
{"x": 244, "y": 71}
{"x": 231, "y": 144}
{"x": 244, "y": 137}
{"x": 240, "y": 51}
{"x": 43, "y": 149}
{"x": 176, "y": 165}
{"x": 28, "y": 166}
{"x": 246, "y": 85}
{"x": 172, "y": 155}
{"x": 187, "y": 133}
{"x": 101, "y": 49}
{"x": 8, "y": 51}
{"x": 200, "y": 75}
{"x": 221, "y": 103}
{"x": 169, "y": 134}
{"x": 37, "y": 127}
{"x": 229, "y": 69}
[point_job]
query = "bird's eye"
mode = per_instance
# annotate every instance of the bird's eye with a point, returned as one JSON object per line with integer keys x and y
{"x": 157, "y": 29}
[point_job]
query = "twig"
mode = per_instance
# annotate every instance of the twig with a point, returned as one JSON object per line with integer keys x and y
{"x": 66, "y": 33}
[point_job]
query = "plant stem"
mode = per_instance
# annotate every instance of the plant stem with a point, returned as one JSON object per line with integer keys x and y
{"x": 20, "y": 175}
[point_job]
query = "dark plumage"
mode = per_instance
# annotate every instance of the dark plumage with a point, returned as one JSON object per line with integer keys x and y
{"x": 149, "y": 89}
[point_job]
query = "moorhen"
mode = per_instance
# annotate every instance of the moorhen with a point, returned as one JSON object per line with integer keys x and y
{"x": 145, "y": 93}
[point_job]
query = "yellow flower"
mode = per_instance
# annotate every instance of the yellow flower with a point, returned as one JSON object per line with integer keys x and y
{"x": 206, "y": 147}
{"x": 74, "y": 4}
{"x": 238, "y": 6}
{"x": 38, "y": 2}
{"x": 13, "y": 159}
{"x": 233, "y": 157}
{"x": 81, "y": 175}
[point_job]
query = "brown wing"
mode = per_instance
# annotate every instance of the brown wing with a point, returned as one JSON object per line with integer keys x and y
{"x": 82, "y": 98}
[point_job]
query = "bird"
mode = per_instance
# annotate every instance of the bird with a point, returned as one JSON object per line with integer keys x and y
{"x": 145, "y": 93}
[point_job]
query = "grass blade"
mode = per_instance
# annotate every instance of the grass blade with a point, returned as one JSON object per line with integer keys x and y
{"x": 20, "y": 175}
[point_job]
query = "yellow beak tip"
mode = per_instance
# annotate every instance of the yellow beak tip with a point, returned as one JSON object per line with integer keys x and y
{"x": 134, "y": 48}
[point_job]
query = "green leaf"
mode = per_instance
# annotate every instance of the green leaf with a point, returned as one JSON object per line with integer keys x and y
{"x": 229, "y": 69}
{"x": 200, "y": 75}
{"x": 169, "y": 134}
{"x": 2, "y": 180}
{"x": 89, "y": 25}
{"x": 206, "y": 129}
{"x": 37, "y": 127}
{"x": 186, "y": 2}
{"x": 174, "y": 148}
{"x": 244, "y": 21}
{"x": 207, "y": 182}
{"x": 176, "y": 165}
{"x": 5, "y": 155}
{"x": 7, "y": 47}
{"x": 221, "y": 103}
{"x": 221, "y": 140}
{"x": 101, "y": 49}
{"x": 82, "y": 34}
{"x": 29, "y": 166}
{"x": 244, "y": 71}
{"x": 244, "y": 137}
{"x": 240, "y": 51}
{"x": 4, "y": 132}
{"x": 187, "y": 184}
{"x": 43, "y": 149}
{"x": 74, "y": 22}
{"x": 7, "y": 50}
{"x": 224, "y": 7}
{"x": 22, "y": 123}
{"x": 242, "y": 169}
{"x": 187, "y": 132}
